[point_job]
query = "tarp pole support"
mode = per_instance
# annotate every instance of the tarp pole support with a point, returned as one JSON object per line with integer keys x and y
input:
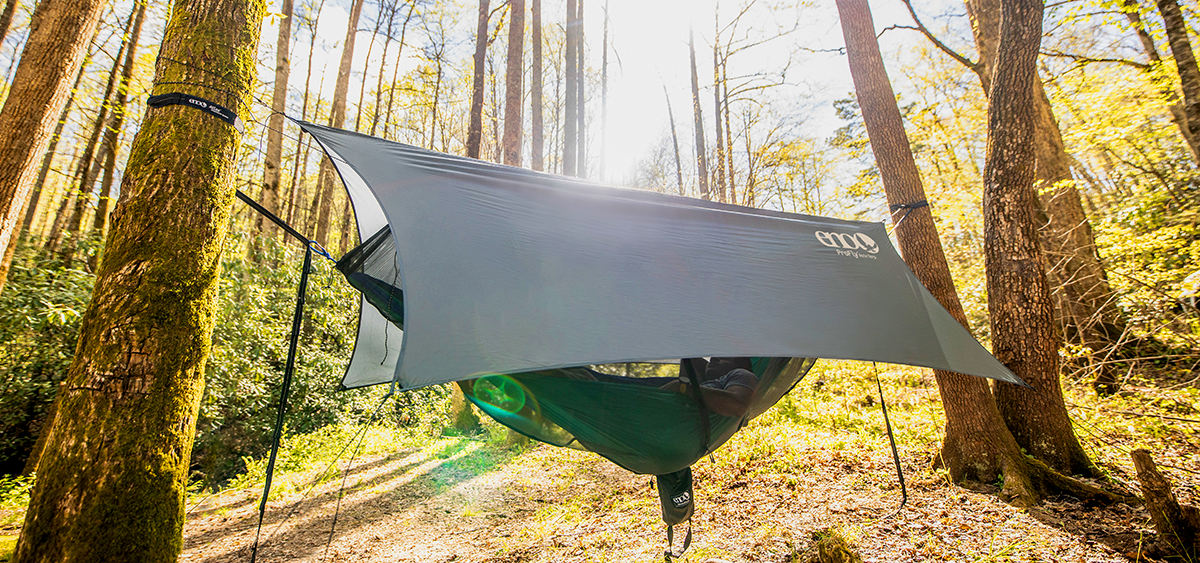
{"x": 892, "y": 441}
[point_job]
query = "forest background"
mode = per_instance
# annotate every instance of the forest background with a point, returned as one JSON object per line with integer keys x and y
{"x": 793, "y": 139}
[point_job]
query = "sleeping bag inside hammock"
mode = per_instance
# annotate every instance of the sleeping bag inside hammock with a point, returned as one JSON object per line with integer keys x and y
{"x": 472, "y": 271}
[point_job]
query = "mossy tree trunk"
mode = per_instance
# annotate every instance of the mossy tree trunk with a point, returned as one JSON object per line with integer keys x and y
{"x": 978, "y": 447}
{"x": 57, "y": 44}
{"x": 112, "y": 477}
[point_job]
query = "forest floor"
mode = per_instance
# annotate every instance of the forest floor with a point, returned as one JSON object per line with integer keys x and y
{"x": 785, "y": 480}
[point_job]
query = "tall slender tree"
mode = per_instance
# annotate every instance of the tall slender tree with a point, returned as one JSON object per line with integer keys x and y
{"x": 113, "y": 475}
{"x": 514, "y": 83}
{"x": 720, "y": 137}
{"x": 1185, "y": 60}
{"x": 571, "y": 100}
{"x": 337, "y": 118}
{"x": 701, "y": 149}
{"x": 56, "y": 47}
{"x": 580, "y": 100}
{"x": 537, "y": 138}
{"x": 412, "y": 7}
{"x": 674, "y": 142}
{"x": 273, "y": 157}
{"x": 475, "y": 125}
{"x": 604, "y": 93}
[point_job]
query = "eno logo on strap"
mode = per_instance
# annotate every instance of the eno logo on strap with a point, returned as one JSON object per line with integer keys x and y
{"x": 848, "y": 244}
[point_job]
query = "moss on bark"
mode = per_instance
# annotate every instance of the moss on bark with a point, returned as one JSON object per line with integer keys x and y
{"x": 112, "y": 477}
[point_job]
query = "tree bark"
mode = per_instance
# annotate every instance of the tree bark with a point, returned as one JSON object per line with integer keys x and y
{"x": 1019, "y": 303}
{"x": 604, "y": 93}
{"x": 513, "y": 83}
{"x": 273, "y": 158}
{"x": 674, "y": 142}
{"x": 112, "y": 478}
{"x": 475, "y": 125}
{"x": 57, "y": 44}
{"x": 701, "y": 157}
{"x": 537, "y": 138}
{"x": 1083, "y": 299}
{"x": 978, "y": 446}
{"x": 48, "y": 159}
{"x": 570, "y": 112}
{"x": 6, "y": 18}
{"x": 337, "y": 118}
{"x": 1185, "y": 60}
{"x": 1177, "y": 525}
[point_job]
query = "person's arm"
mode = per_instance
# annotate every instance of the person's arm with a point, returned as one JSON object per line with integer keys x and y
{"x": 733, "y": 401}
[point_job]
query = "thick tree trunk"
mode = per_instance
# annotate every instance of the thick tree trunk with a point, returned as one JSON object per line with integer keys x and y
{"x": 1185, "y": 60}
{"x": 112, "y": 478}
{"x": 570, "y": 113}
{"x": 337, "y": 118}
{"x": 537, "y": 137}
{"x": 978, "y": 446}
{"x": 701, "y": 157}
{"x": 57, "y": 44}
{"x": 1019, "y": 303}
{"x": 273, "y": 158}
{"x": 674, "y": 142}
{"x": 1083, "y": 298}
{"x": 475, "y": 124}
{"x": 112, "y": 132}
{"x": 513, "y": 83}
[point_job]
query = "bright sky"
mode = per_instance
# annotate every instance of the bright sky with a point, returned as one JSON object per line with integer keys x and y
{"x": 648, "y": 41}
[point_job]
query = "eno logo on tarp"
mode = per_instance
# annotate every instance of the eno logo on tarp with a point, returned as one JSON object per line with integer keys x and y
{"x": 848, "y": 244}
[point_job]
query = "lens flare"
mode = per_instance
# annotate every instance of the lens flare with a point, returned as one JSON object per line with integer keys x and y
{"x": 500, "y": 391}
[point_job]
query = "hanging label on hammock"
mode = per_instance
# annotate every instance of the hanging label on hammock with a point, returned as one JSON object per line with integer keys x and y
{"x": 212, "y": 108}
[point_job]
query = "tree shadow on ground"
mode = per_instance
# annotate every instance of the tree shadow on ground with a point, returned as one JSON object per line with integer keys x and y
{"x": 301, "y": 528}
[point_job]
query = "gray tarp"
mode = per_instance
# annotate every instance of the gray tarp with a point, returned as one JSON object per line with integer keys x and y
{"x": 506, "y": 270}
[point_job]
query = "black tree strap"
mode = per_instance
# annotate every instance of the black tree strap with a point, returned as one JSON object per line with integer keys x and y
{"x": 892, "y": 441}
{"x": 907, "y": 207}
{"x": 694, "y": 389}
{"x": 210, "y": 107}
{"x": 687, "y": 542}
{"x": 290, "y": 368}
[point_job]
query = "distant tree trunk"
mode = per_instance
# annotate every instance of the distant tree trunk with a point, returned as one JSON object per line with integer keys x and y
{"x": 300, "y": 166}
{"x": 1166, "y": 88}
{"x": 604, "y": 93}
{"x": 728, "y": 130}
{"x": 701, "y": 157}
{"x": 1185, "y": 60}
{"x": 537, "y": 139}
{"x": 978, "y": 446}
{"x": 580, "y": 104}
{"x": 112, "y": 132}
{"x": 1019, "y": 303}
{"x": 720, "y": 138}
{"x": 387, "y": 42}
{"x": 513, "y": 86}
{"x": 362, "y": 90}
{"x": 6, "y": 18}
{"x": 1085, "y": 301}
{"x": 112, "y": 478}
{"x": 412, "y": 6}
{"x": 56, "y": 47}
{"x": 475, "y": 125}
{"x": 570, "y": 120}
{"x": 337, "y": 118}
{"x": 48, "y": 160}
{"x": 674, "y": 142}
{"x": 273, "y": 158}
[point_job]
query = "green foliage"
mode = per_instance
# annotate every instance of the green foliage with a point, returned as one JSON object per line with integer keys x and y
{"x": 40, "y": 310}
